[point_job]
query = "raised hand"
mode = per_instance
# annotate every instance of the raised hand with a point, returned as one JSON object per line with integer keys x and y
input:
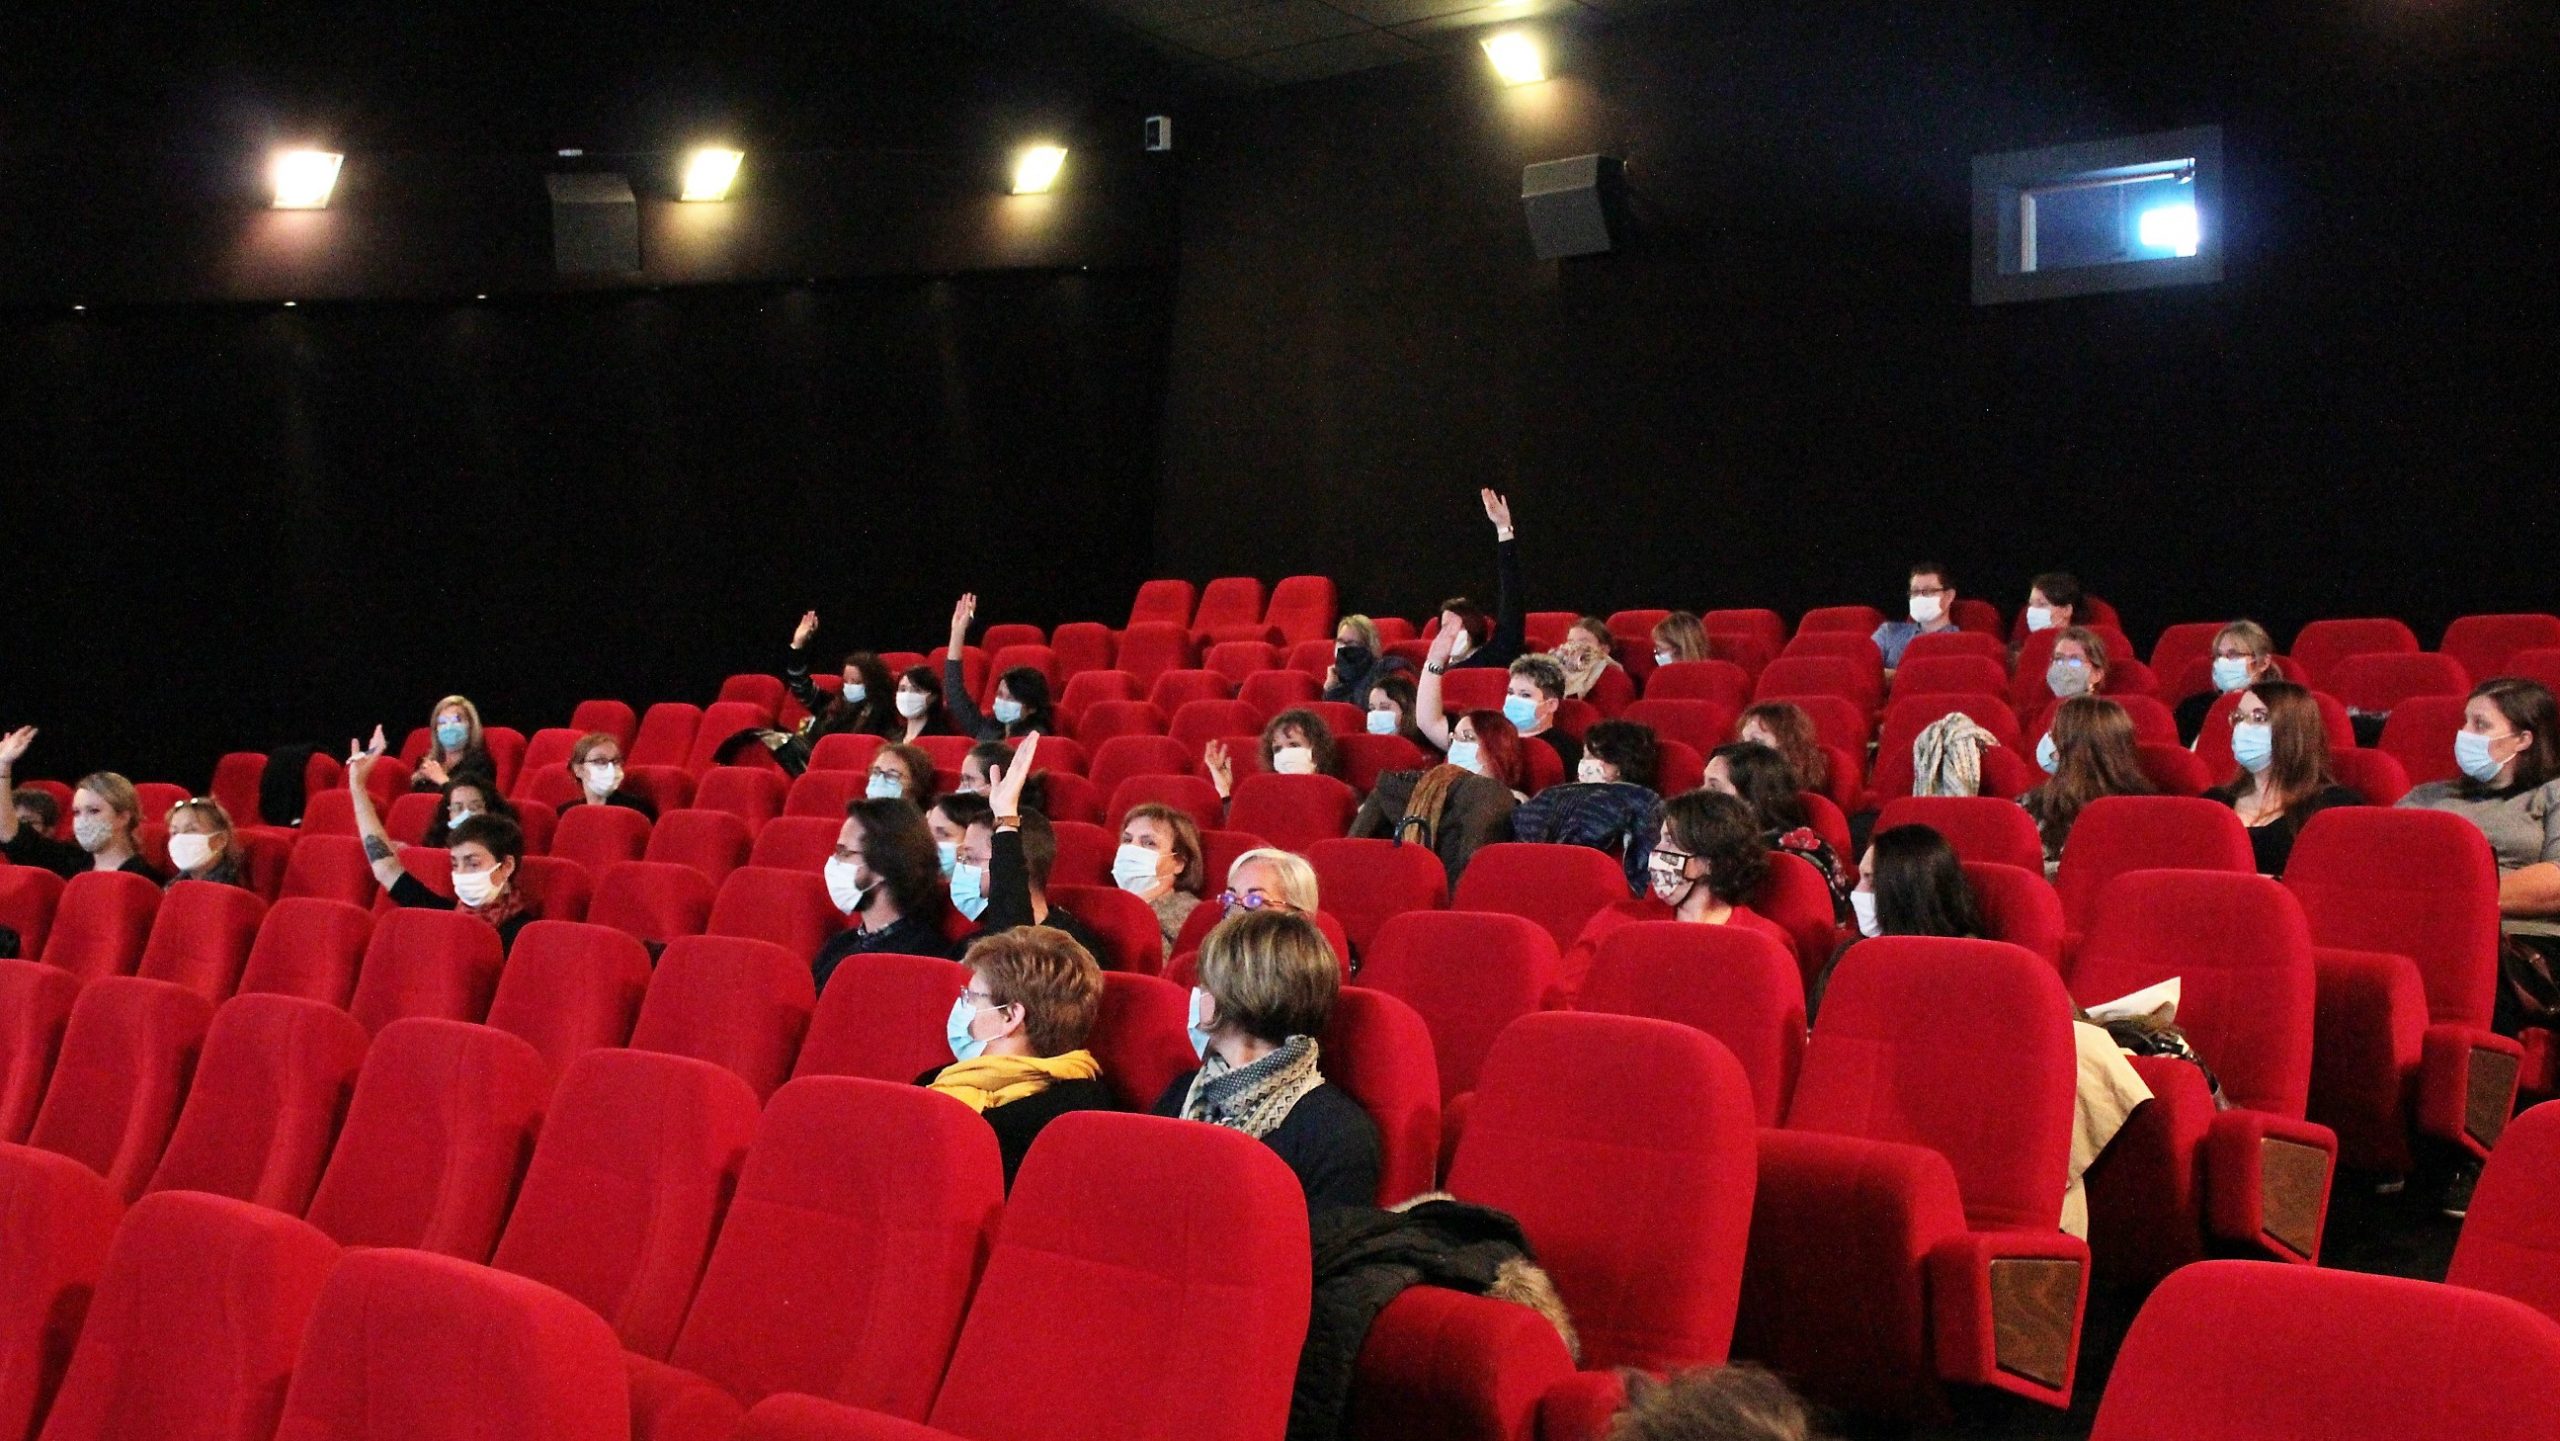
{"x": 808, "y": 627}
{"x": 1497, "y": 510}
{"x": 1443, "y": 644}
{"x": 1006, "y": 798}
{"x": 15, "y": 743}
{"x": 1222, "y": 771}
{"x": 965, "y": 611}
{"x": 360, "y": 758}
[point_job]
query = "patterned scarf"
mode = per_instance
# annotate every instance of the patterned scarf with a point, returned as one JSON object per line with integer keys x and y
{"x": 1253, "y": 1099}
{"x": 1946, "y": 757}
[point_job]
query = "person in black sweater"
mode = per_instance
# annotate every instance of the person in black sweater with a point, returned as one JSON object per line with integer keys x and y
{"x": 106, "y": 821}
{"x": 1268, "y": 980}
{"x": 866, "y": 705}
{"x": 1530, "y": 701}
{"x": 887, "y": 878}
{"x": 487, "y": 851}
{"x": 596, "y": 760}
{"x": 2282, "y": 780}
{"x": 1501, "y": 640}
{"x": 1017, "y": 1036}
{"x": 1021, "y": 699}
{"x": 1003, "y": 877}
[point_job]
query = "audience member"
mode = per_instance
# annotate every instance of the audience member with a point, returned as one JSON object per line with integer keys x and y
{"x": 1296, "y": 742}
{"x": 1679, "y": 636}
{"x": 1706, "y": 863}
{"x": 201, "y": 844}
{"x": 863, "y": 707}
{"x": 1267, "y": 983}
{"x": 1735, "y": 1402}
{"x": 106, "y": 822}
{"x": 1018, "y": 1034}
{"x": 2053, "y": 601}
{"x": 918, "y": 700}
{"x": 884, "y": 879}
{"x": 2089, "y": 753}
{"x": 455, "y": 744}
{"x": 1478, "y": 642}
{"x": 1910, "y": 883}
{"x": 1391, "y": 708}
{"x": 1766, "y": 785}
{"x": 1020, "y": 703}
{"x": 1160, "y": 861}
{"x": 2243, "y": 655}
{"x": 1360, "y": 661}
{"x": 949, "y": 819}
{"x": 2079, "y": 663}
{"x": 487, "y": 853}
{"x": 1784, "y": 727}
{"x": 465, "y": 797}
{"x": 1002, "y": 880}
{"x": 2282, "y": 780}
{"x": 1610, "y": 805}
{"x": 1932, "y": 609}
{"x": 37, "y": 812}
{"x": 1586, "y": 655}
{"x": 1269, "y": 878}
{"x": 596, "y": 762}
{"x": 901, "y": 771}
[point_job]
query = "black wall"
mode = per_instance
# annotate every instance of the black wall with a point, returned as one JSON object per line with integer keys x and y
{"x": 236, "y": 526}
{"x": 1778, "y": 391}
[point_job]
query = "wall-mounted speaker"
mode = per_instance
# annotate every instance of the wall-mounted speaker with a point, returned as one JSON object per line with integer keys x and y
{"x": 1574, "y": 206}
{"x": 595, "y": 224}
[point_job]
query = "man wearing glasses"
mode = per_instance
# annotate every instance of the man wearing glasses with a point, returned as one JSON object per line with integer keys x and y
{"x": 1933, "y": 612}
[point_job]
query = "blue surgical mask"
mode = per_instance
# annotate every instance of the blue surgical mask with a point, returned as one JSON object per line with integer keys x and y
{"x": 2471, "y": 752}
{"x": 2047, "y": 756}
{"x": 1521, "y": 711}
{"x": 1382, "y": 722}
{"x": 2230, "y": 672}
{"x": 883, "y": 788}
{"x": 964, "y": 1047}
{"x": 1463, "y": 754}
{"x": 950, "y": 856}
{"x": 1199, "y": 1035}
{"x": 1007, "y": 710}
{"x": 969, "y": 890}
{"x": 2067, "y": 678}
{"x": 452, "y": 733}
{"x": 2253, "y": 745}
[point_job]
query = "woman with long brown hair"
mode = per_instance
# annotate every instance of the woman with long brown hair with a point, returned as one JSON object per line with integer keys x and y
{"x": 2089, "y": 753}
{"x": 2282, "y": 775}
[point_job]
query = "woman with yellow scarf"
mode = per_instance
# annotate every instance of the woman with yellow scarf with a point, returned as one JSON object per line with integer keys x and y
{"x": 1017, "y": 1036}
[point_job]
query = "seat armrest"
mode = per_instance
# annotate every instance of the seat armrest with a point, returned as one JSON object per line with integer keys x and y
{"x": 669, "y": 1403}
{"x": 2467, "y": 1084}
{"x": 2006, "y": 1308}
{"x": 2267, "y": 1183}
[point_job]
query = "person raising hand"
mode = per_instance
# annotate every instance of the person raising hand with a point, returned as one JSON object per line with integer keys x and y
{"x": 1003, "y": 877}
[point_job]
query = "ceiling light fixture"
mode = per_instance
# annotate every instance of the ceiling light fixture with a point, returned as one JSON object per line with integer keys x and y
{"x": 1517, "y": 57}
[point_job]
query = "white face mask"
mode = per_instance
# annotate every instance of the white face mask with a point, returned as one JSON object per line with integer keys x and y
{"x": 913, "y": 703}
{"x": 1458, "y": 642}
{"x": 474, "y": 888}
{"x": 2230, "y": 672}
{"x": 602, "y": 778}
{"x": 1592, "y": 771}
{"x": 190, "y": 852}
{"x": 1464, "y": 755}
{"x": 1293, "y": 761}
{"x": 1663, "y": 657}
{"x": 1133, "y": 868}
{"x": 1864, "y": 903}
{"x": 91, "y": 832}
{"x": 1927, "y": 608}
{"x": 846, "y": 884}
{"x": 1382, "y": 722}
{"x": 2039, "y": 617}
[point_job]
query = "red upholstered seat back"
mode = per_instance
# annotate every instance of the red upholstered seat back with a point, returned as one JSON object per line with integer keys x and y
{"x": 2243, "y": 953}
{"x": 2417, "y": 883}
{"x": 442, "y": 1121}
{"x": 1364, "y": 883}
{"x": 202, "y": 937}
{"x": 653, "y": 901}
{"x": 1557, "y": 886}
{"x": 2019, "y": 906}
{"x": 309, "y": 946}
{"x": 1649, "y": 1263}
{"x": 1139, "y": 1036}
{"x": 427, "y": 963}
{"x": 569, "y": 988}
{"x": 1869, "y": 1072}
{"x": 126, "y": 1058}
{"x": 1377, "y": 1049}
{"x": 57, "y": 1218}
{"x": 2116, "y": 834}
{"x": 1980, "y": 828}
{"x": 35, "y": 1006}
{"x": 711, "y": 841}
{"x": 1733, "y": 983}
{"x": 2324, "y": 643}
{"x": 28, "y": 898}
{"x": 732, "y": 1001}
{"x": 2487, "y": 644}
{"x": 102, "y": 924}
{"x": 2510, "y": 1242}
{"x": 1469, "y": 974}
{"x": 882, "y": 1016}
{"x": 1140, "y": 1258}
{"x": 270, "y": 1085}
{"x": 1293, "y": 812}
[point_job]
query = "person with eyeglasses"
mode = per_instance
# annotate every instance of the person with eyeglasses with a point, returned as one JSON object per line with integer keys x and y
{"x": 2243, "y": 655}
{"x": 1269, "y": 878}
{"x": 1002, "y": 879}
{"x": 1267, "y": 984}
{"x": 1017, "y": 1034}
{"x": 886, "y": 878}
{"x": 1706, "y": 864}
{"x": 1933, "y": 612}
{"x": 2280, "y": 779}
{"x": 202, "y": 846}
{"x": 901, "y": 772}
{"x": 596, "y": 762}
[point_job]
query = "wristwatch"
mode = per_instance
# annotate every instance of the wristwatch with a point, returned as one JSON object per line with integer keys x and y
{"x": 1436, "y": 667}
{"x": 1001, "y": 822}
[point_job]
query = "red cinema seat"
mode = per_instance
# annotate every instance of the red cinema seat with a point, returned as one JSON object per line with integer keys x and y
{"x": 127, "y": 1054}
{"x": 844, "y": 1267}
{"x": 1475, "y": 688}
{"x": 614, "y": 718}
{"x": 756, "y": 796}
{"x": 202, "y": 937}
{"x": 843, "y": 751}
{"x": 195, "y": 1325}
{"x": 238, "y": 774}
{"x": 265, "y": 852}
{"x": 2116, "y": 834}
{"x": 2487, "y": 645}
{"x": 1557, "y": 886}
{"x": 1230, "y": 602}
{"x": 102, "y": 924}
{"x": 1759, "y": 623}
{"x": 1720, "y": 681}
{"x": 1149, "y": 650}
{"x": 1084, "y": 853}
{"x": 330, "y": 813}
{"x": 2183, "y": 1175}
{"x": 712, "y": 842}
{"x": 551, "y": 787}
{"x": 1657, "y": 1296}
{"x": 1366, "y": 883}
{"x": 2403, "y": 908}
{"x": 2372, "y": 775}
{"x": 270, "y": 1086}
{"x": 790, "y": 909}
{"x": 1293, "y": 812}
{"x": 1088, "y": 688}
{"x": 1071, "y": 796}
{"x": 638, "y": 1154}
{"x": 1838, "y": 722}
{"x": 1860, "y": 621}
{"x": 1732, "y": 983}
{"x": 1795, "y": 676}
{"x": 1132, "y": 938}
{"x": 1106, "y": 721}
{"x": 2322, "y": 644}
{"x": 329, "y": 868}
{"x": 443, "y": 1117}
{"x": 2419, "y": 735}
{"x": 2173, "y": 770}
{"x": 1163, "y": 602}
{"x": 555, "y": 889}
{"x": 2378, "y": 684}
{"x": 29, "y": 896}
{"x": 2179, "y": 645}
{"x": 57, "y": 1221}
{"x": 427, "y": 963}
{"x": 1951, "y": 675}
{"x": 734, "y": 1002}
{"x": 652, "y": 900}
{"x": 2510, "y": 1242}
{"x": 308, "y": 947}
{"x": 35, "y": 1007}
{"x": 1183, "y": 969}
{"x": 1185, "y": 1247}
{"x": 599, "y": 837}
{"x": 796, "y": 843}
{"x": 158, "y": 798}
{"x": 1983, "y": 645}
{"x": 1058, "y": 755}
{"x": 570, "y": 988}
{"x": 409, "y": 1347}
{"x": 882, "y": 1016}
{"x": 1912, "y": 712}
{"x": 1304, "y": 608}
{"x": 1012, "y": 633}
{"x": 1377, "y": 1049}
{"x": 2019, "y": 906}
{"x": 413, "y": 816}
{"x": 1036, "y": 656}
{"x": 1365, "y": 757}
{"x": 1081, "y": 646}
{"x": 1952, "y": 1205}
{"x": 1468, "y": 974}
{"x": 1188, "y": 794}
{"x": 665, "y": 788}
{"x": 1272, "y": 690}
{"x": 548, "y": 749}
{"x": 760, "y": 690}
{"x": 666, "y": 735}
{"x": 2228, "y": 1351}
{"x": 1794, "y": 894}
{"x": 1702, "y": 725}
{"x": 1197, "y": 722}
{"x": 1139, "y": 1036}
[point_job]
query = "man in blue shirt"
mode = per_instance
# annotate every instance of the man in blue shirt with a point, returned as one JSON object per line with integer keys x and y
{"x": 1933, "y": 605}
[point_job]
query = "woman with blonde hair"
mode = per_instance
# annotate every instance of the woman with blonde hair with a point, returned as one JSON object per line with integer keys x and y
{"x": 1360, "y": 661}
{"x": 106, "y": 822}
{"x": 1161, "y": 862}
{"x": 1679, "y": 636}
{"x": 201, "y": 844}
{"x": 1268, "y": 878}
{"x": 2089, "y": 753}
{"x": 1268, "y": 981}
{"x": 456, "y": 743}
{"x": 2243, "y": 655}
{"x": 1017, "y": 1035}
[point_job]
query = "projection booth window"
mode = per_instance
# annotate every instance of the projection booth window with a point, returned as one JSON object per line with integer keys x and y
{"x": 2126, "y": 214}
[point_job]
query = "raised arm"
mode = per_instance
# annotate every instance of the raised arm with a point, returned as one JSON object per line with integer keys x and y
{"x": 13, "y": 746}
{"x": 1510, "y": 638}
{"x": 1428, "y": 717}
{"x": 795, "y": 676}
{"x": 1009, "y": 899}
{"x": 378, "y": 850}
{"x": 955, "y": 676}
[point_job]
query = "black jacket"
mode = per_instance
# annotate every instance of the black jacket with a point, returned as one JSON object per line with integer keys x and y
{"x": 1017, "y": 1123}
{"x": 66, "y": 859}
{"x": 1326, "y": 1138}
{"x": 906, "y": 936}
{"x": 1009, "y": 900}
{"x": 1511, "y": 617}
